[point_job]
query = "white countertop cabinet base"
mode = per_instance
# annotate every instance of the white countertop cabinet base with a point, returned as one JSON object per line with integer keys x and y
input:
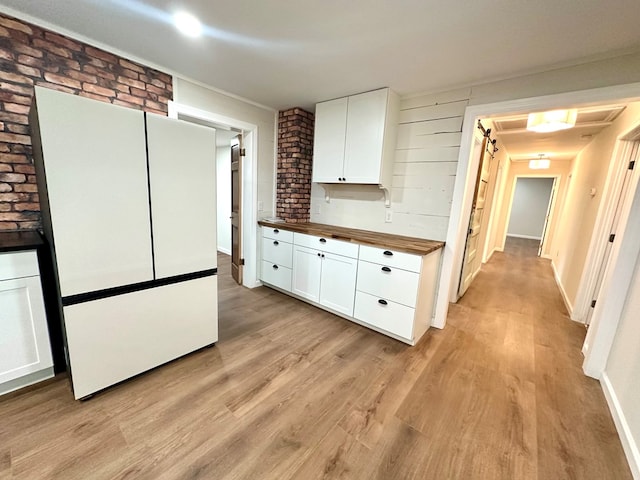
{"x": 25, "y": 352}
{"x": 388, "y": 291}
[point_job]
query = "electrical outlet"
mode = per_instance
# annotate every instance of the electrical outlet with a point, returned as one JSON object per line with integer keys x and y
{"x": 388, "y": 215}
{"x": 260, "y": 205}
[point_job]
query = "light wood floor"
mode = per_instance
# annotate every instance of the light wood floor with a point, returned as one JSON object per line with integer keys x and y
{"x": 291, "y": 392}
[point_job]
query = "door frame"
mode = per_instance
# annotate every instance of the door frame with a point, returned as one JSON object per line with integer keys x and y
{"x": 249, "y": 190}
{"x": 465, "y": 180}
{"x": 550, "y": 205}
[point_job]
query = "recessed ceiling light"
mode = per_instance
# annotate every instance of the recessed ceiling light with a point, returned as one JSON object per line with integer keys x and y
{"x": 545, "y": 122}
{"x": 187, "y": 24}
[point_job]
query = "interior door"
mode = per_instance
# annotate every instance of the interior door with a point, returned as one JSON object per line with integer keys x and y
{"x": 545, "y": 229}
{"x": 471, "y": 252}
{"x": 236, "y": 210}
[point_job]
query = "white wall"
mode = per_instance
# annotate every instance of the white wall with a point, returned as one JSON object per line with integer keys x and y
{"x": 197, "y": 96}
{"x": 223, "y": 178}
{"x": 589, "y": 170}
{"x": 529, "y": 207}
{"x": 623, "y": 367}
{"x": 429, "y": 133}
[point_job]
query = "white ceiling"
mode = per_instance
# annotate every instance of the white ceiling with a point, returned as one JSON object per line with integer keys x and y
{"x": 522, "y": 144}
{"x": 286, "y": 53}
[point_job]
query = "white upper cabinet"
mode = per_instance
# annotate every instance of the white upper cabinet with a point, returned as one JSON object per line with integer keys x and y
{"x": 355, "y": 139}
{"x": 329, "y": 141}
{"x": 182, "y": 179}
{"x": 96, "y": 177}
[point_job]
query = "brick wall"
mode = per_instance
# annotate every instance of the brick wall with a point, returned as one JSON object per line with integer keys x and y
{"x": 30, "y": 55}
{"x": 295, "y": 155}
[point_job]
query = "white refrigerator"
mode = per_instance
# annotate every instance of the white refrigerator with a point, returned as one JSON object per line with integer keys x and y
{"x": 128, "y": 201}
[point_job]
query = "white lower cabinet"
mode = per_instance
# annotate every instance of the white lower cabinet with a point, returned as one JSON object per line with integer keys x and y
{"x": 25, "y": 352}
{"x": 389, "y": 291}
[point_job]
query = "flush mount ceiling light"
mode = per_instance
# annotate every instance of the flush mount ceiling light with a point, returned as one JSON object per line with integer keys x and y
{"x": 552, "y": 121}
{"x": 187, "y": 24}
{"x": 539, "y": 163}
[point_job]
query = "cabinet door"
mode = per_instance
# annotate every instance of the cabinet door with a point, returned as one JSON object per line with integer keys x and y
{"x": 338, "y": 283}
{"x": 328, "y": 142}
{"x": 94, "y": 163}
{"x": 307, "y": 265}
{"x": 24, "y": 338}
{"x": 182, "y": 177}
{"x": 365, "y": 135}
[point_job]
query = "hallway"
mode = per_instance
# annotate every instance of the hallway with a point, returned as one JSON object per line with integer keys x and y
{"x": 293, "y": 392}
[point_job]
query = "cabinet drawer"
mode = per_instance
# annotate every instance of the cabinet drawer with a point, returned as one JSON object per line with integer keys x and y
{"x": 391, "y": 283}
{"x": 392, "y": 317}
{"x": 18, "y": 265}
{"x": 276, "y": 275}
{"x": 277, "y": 234}
{"x": 391, "y": 258}
{"x": 326, "y": 244}
{"x": 277, "y": 251}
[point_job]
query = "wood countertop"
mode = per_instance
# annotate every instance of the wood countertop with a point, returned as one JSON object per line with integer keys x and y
{"x": 20, "y": 240}
{"x": 418, "y": 246}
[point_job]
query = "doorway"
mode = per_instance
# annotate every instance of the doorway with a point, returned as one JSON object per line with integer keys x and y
{"x": 530, "y": 209}
{"x": 248, "y": 222}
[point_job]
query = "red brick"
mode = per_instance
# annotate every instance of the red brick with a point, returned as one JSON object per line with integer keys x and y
{"x": 130, "y": 99}
{"x": 62, "y": 80}
{"x": 63, "y": 41}
{"x": 15, "y": 118}
{"x": 14, "y": 77}
{"x": 131, "y": 66}
{"x": 25, "y": 168}
{"x": 10, "y": 87}
{"x": 15, "y": 25}
{"x": 54, "y": 86}
{"x": 94, "y": 96}
{"x": 4, "y": 207}
{"x": 31, "y": 61}
{"x": 87, "y": 87}
{"x": 16, "y": 108}
{"x": 15, "y": 98}
{"x": 25, "y": 49}
{"x": 5, "y": 167}
{"x": 7, "y": 225}
{"x": 139, "y": 93}
{"x": 13, "y": 158}
{"x": 129, "y": 74}
{"x": 83, "y": 77}
{"x": 45, "y": 45}
{"x": 26, "y": 207}
{"x": 25, "y": 188}
{"x": 131, "y": 82}
{"x": 101, "y": 54}
{"x": 12, "y": 178}
{"x": 90, "y": 69}
{"x": 15, "y": 138}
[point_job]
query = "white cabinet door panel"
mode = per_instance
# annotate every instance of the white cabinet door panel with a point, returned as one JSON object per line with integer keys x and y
{"x": 276, "y": 275}
{"x": 365, "y": 136}
{"x": 278, "y": 252}
{"x": 116, "y": 338}
{"x": 391, "y": 258}
{"x": 24, "y": 337}
{"x": 389, "y": 316}
{"x": 307, "y": 266}
{"x": 329, "y": 141}
{"x": 96, "y": 176}
{"x": 326, "y": 244}
{"x": 338, "y": 283}
{"x": 182, "y": 173}
{"x": 391, "y": 283}
{"x": 18, "y": 264}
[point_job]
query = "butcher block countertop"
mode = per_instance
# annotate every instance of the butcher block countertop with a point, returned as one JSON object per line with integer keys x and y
{"x": 418, "y": 246}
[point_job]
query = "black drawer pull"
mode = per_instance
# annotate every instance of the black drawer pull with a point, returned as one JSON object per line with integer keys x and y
{"x": 276, "y": 243}
{"x": 386, "y": 269}
{"x": 275, "y": 230}
{"x": 275, "y": 267}
{"x": 388, "y": 253}
{"x": 318, "y": 253}
{"x": 322, "y": 240}
{"x": 382, "y": 302}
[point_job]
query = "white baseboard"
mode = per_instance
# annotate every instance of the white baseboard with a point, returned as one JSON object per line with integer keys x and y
{"x": 496, "y": 249}
{"x": 528, "y": 237}
{"x": 224, "y": 250}
{"x": 565, "y": 298}
{"x": 624, "y": 432}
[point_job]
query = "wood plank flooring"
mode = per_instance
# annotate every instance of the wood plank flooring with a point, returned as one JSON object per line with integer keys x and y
{"x": 292, "y": 392}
